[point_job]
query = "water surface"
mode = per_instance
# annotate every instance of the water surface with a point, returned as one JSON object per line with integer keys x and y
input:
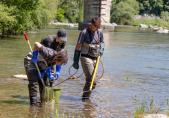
{"x": 136, "y": 70}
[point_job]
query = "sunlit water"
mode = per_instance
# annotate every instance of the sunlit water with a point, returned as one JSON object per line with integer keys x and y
{"x": 136, "y": 71}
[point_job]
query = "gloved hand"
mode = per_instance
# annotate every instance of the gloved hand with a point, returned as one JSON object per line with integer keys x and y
{"x": 76, "y": 59}
{"x": 42, "y": 72}
{"x": 34, "y": 56}
{"x": 58, "y": 69}
{"x": 75, "y": 65}
{"x": 49, "y": 74}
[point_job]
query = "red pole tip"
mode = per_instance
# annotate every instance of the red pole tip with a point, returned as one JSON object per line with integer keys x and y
{"x": 25, "y": 36}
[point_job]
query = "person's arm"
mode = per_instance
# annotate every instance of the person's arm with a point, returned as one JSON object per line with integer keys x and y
{"x": 78, "y": 51}
{"x": 102, "y": 45}
{"x": 44, "y": 51}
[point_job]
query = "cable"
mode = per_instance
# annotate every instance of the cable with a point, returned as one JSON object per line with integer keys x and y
{"x": 71, "y": 76}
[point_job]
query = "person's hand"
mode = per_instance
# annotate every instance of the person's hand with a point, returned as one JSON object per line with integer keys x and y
{"x": 34, "y": 56}
{"x": 76, "y": 59}
{"x": 38, "y": 46}
{"x": 75, "y": 65}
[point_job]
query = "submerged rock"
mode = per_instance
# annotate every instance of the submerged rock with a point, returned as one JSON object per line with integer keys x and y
{"x": 155, "y": 116}
{"x": 20, "y": 76}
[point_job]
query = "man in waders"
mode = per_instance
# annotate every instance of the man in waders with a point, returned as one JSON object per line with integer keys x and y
{"x": 89, "y": 46}
{"x": 47, "y": 54}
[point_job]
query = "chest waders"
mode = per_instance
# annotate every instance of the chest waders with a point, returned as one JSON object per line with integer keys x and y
{"x": 48, "y": 93}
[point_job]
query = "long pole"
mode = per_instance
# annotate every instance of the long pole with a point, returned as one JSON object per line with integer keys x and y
{"x": 36, "y": 65}
{"x": 94, "y": 72}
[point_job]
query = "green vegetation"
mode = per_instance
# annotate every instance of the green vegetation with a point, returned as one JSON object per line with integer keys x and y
{"x": 22, "y": 15}
{"x": 153, "y": 22}
{"x": 122, "y": 12}
{"x": 146, "y": 108}
{"x": 70, "y": 11}
{"x": 156, "y": 12}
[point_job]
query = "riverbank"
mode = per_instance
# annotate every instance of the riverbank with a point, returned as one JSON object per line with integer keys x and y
{"x": 114, "y": 27}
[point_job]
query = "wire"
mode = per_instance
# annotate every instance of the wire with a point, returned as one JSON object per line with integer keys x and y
{"x": 71, "y": 76}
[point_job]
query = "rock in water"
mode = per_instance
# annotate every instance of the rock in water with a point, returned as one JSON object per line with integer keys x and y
{"x": 155, "y": 116}
{"x": 20, "y": 76}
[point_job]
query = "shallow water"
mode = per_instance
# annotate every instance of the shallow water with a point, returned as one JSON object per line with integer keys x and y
{"x": 136, "y": 70}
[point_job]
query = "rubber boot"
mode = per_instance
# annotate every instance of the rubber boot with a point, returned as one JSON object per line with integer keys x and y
{"x": 86, "y": 92}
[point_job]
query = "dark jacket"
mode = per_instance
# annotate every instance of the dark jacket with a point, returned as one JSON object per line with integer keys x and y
{"x": 47, "y": 55}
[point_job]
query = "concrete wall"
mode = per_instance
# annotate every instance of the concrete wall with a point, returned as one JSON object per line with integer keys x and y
{"x": 105, "y": 11}
{"x": 94, "y": 8}
{"x": 91, "y": 9}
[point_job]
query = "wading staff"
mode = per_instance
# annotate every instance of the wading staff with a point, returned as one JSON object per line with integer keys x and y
{"x": 94, "y": 72}
{"x": 36, "y": 65}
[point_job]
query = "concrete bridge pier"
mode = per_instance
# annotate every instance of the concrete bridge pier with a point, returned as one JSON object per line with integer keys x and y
{"x": 100, "y": 8}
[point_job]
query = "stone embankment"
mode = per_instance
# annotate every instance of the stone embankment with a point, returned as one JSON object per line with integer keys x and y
{"x": 154, "y": 28}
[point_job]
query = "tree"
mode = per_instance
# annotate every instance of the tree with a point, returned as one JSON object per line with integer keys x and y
{"x": 71, "y": 10}
{"x": 122, "y": 12}
{"x": 166, "y": 5}
{"x": 29, "y": 14}
{"x": 7, "y": 18}
{"x": 151, "y": 6}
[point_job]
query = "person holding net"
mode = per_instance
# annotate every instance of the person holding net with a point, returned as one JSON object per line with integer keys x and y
{"x": 49, "y": 55}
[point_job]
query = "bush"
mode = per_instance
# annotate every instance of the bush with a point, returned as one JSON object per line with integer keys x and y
{"x": 154, "y": 22}
{"x": 60, "y": 15}
{"x": 165, "y": 16}
{"x": 123, "y": 12}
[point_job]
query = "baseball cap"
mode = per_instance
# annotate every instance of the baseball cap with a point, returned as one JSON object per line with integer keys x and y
{"x": 61, "y": 33}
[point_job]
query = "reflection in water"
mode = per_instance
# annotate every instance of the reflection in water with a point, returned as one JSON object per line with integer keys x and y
{"x": 89, "y": 109}
{"x": 107, "y": 39}
{"x": 48, "y": 110}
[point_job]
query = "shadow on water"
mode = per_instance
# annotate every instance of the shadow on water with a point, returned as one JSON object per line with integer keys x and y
{"x": 71, "y": 98}
{"x": 19, "y": 97}
{"x": 16, "y": 99}
{"x": 19, "y": 102}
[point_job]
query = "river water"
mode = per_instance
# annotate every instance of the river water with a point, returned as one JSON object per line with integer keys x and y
{"x": 136, "y": 72}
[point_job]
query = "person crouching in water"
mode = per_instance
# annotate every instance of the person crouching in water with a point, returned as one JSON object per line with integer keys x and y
{"x": 49, "y": 55}
{"x": 89, "y": 46}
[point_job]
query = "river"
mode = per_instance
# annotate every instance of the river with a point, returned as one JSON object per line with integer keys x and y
{"x": 136, "y": 72}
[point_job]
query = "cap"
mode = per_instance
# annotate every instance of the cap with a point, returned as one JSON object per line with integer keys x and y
{"x": 61, "y": 33}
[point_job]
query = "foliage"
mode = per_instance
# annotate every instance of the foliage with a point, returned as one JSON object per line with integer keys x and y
{"x": 69, "y": 10}
{"x": 154, "y": 22}
{"x": 151, "y": 6}
{"x": 60, "y": 15}
{"x": 20, "y": 15}
{"x": 27, "y": 14}
{"x": 122, "y": 12}
{"x": 7, "y": 18}
{"x": 140, "y": 111}
{"x": 165, "y": 16}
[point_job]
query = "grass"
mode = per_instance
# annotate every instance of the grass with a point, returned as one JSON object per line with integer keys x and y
{"x": 145, "y": 108}
{"x": 154, "y": 22}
